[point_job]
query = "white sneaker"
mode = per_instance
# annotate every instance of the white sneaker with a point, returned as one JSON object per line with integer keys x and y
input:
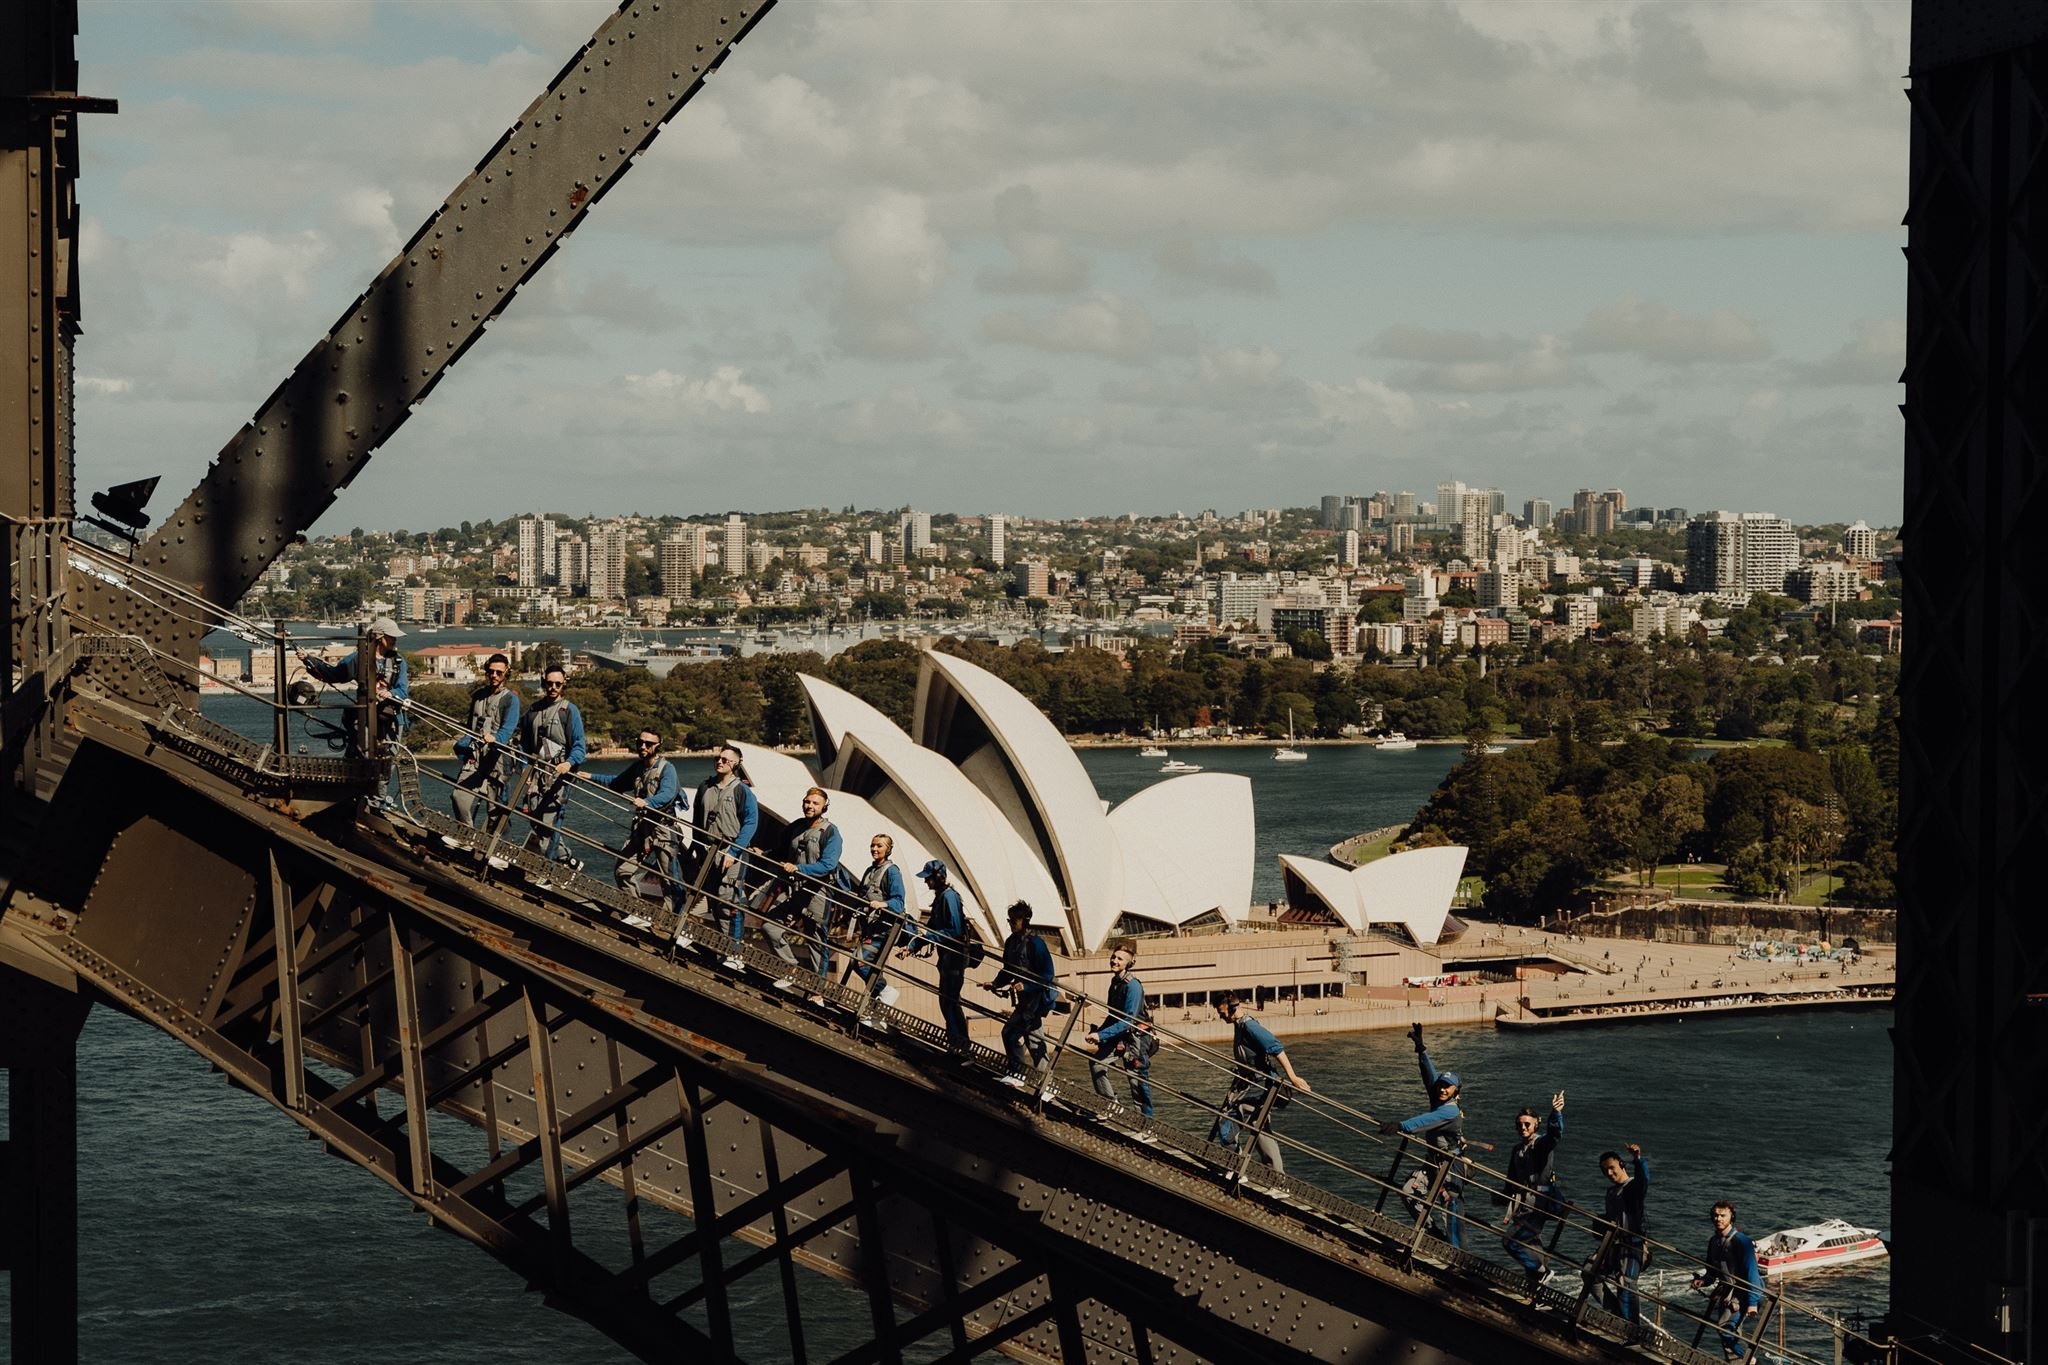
{"x": 497, "y": 864}
{"x": 1145, "y": 1136}
{"x": 638, "y": 922}
{"x": 1014, "y": 1081}
{"x": 450, "y": 841}
{"x": 734, "y": 963}
{"x": 870, "y": 1022}
{"x": 784, "y": 983}
{"x": 683, "y": 940}
{"x": 888, "y": 995}
{"x": 543, "y": 885}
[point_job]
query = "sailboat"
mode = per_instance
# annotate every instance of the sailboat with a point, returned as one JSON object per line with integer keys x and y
{"x": 1287, "y": 753}
{"x": 1154, "y": 749}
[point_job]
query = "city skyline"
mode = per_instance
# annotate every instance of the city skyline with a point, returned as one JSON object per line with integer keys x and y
{"x": 1055, "y": 259}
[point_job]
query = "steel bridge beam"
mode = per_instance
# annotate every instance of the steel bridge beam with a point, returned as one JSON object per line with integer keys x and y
{"x": 597, "y": 1071}
{"x": 361, "y": 381}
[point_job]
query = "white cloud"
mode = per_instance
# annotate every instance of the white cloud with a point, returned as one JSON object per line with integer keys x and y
{"x": 1364, "y": 402}
{"x": 1875, "y": 355}
{"x": 1656, "y": 331}
{"x": 104, "y": 385}
{"x": 891, "y": 261}
{"x": 1182, "y": 259}
{"x": 1040, "y": 261}
{"x": 255, "y": 266}
{"x": 723, "y": 390}
{"x": 1109, "y": 325}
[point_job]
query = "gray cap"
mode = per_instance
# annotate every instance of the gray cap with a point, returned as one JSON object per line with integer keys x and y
{"x": 387, "y": 628}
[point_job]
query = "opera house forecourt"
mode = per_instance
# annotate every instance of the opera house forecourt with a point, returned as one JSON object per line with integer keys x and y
{"x": 984, "y": 782}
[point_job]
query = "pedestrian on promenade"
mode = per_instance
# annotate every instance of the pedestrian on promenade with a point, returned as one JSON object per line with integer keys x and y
{"x": 1442, "y": 1128}
{"x": 1733, "y": 1284}
{"x": 1532, "y": 1197}
{"x": 1260, "y": 1060}
{"x": 1026, "y": 978}
{"x": 551, "y": 737}
{"x": 1628, "y": 1190}
{"x": 1123, "y": 1042}
{"x": 492, "y": 722}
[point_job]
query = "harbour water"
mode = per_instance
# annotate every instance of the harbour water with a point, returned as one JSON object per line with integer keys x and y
{"x": 212, "y": 1230}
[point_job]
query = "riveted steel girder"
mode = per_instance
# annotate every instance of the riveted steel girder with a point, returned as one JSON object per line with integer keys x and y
{"x": 360, "y": 382}
{"x": 597, "y": 1071}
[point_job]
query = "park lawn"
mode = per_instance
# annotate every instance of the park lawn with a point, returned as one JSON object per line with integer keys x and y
{"x": 1372, "y": 850}
{"x": 1814, "y": 890}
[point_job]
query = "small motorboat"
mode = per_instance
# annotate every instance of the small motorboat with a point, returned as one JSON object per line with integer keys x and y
{"x": 1395, "y": 742}
{"x": 1174, "y": 765}
{"x": 1831, "y": 1243}
{"x": 1151, "y": 751}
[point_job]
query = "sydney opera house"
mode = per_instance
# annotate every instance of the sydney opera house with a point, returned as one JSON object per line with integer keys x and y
{"x": 985, "y": 782}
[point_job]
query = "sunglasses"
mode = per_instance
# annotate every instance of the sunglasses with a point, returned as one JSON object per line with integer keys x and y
{"x": 554, "y": 682}
{"x": 650, "y": 743}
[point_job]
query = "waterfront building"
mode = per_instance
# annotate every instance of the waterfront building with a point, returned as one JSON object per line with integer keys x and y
{"x": 572, "y": 563}
{"x": 536, "y": 551}
{"x": 1410, "y": 891}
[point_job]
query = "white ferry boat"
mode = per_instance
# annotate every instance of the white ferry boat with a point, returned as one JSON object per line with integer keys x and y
{"x": 1830, "y": 1243}
{"x": 1395, "y": 742}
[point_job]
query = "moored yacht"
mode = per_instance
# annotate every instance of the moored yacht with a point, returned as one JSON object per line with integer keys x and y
{"x": 1395, "y": 741}
{"x": 1287, "y": 753}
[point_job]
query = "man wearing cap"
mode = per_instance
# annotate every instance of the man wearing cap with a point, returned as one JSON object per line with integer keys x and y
{"x": 1027, "y": 978}
{"x": 945, "y": 932}
{"x": 493, "y": 720}
{"x": 551, "y": 737}
{"x": 388, "y": 674}
{"x": 1443, "y": 1127}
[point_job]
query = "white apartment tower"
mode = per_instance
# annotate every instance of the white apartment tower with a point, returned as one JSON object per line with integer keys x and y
{"x": 1450, "y": 502}
{"x": 1859, "y": 542}
{"x": 607, "y": 561}
{"x": 1347, "y": 549}
{"x": 995, "y": 532}
{"x": 732, "y": 553}
{"x": 916, "y": 529}
{"x": 536, "y": 550}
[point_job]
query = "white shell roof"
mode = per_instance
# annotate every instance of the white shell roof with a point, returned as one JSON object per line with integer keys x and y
{"x": 1411, "y": 889}
{"x": 1046, "y": 776}
{"x": 779, "y": 783}
{"x": 1187, "y": 847}
{"x": 949, "y": 811}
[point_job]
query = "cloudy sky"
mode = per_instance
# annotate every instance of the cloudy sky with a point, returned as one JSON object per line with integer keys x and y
{"x": 1041, "y": 257}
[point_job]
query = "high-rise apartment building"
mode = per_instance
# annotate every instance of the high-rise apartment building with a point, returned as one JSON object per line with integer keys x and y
{"x": 1739, "y": 552}
{"x": 1401, "y": 538}
{"x": 536, "y": 551}
{"x": 1404, "y": 504}
{"x": 916, "y": 529}
{"x": 732, "y": 551}
{"x": 1859, "y": 542}
{"x": 1536, "y": 514}
{"x": 1331, "y": 509}
{"x": 1347, "y": 549}
{"x": 871, "y": 547}
{"x": 1450, "y": 503}
{"x": 1475, "y": 527}
{"x": 607, "y": 552}
{"x": 1034, "y": 578}
{"x": 572, "y": 563}
{"x": 677, "y": 563}
{"x": 995, "y": 538}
